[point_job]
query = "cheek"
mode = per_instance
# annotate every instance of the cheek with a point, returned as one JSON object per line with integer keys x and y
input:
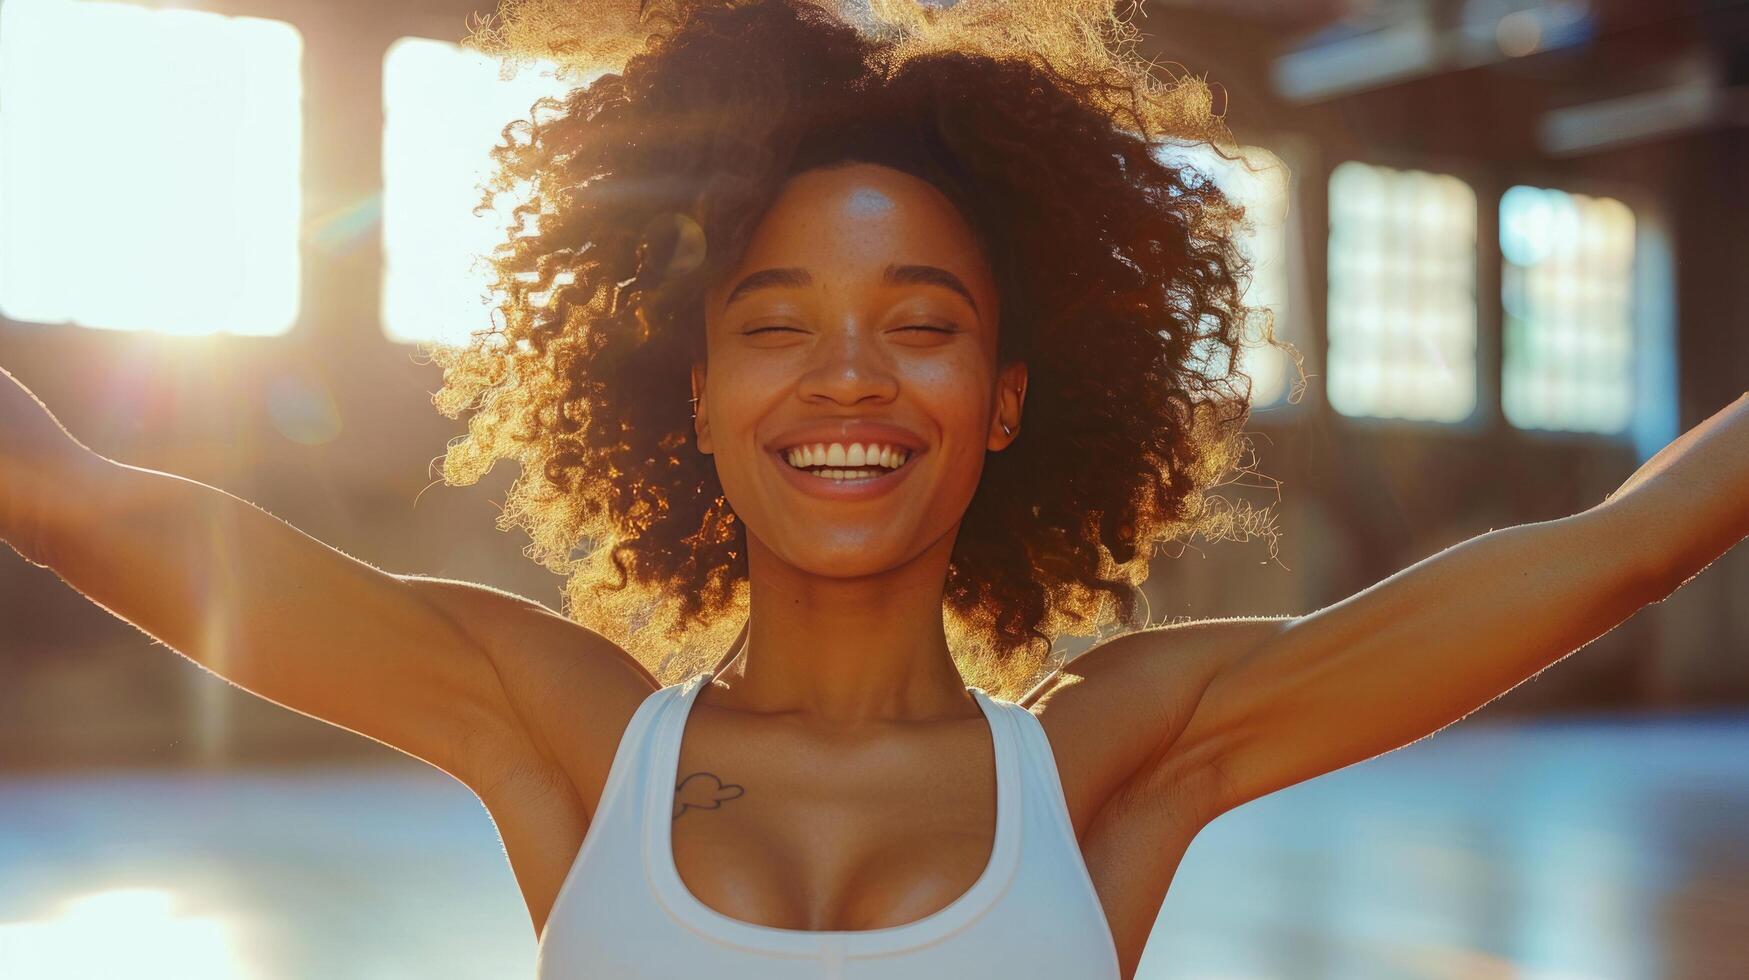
{"x": 740, "y": 384}
{"x": 952, "y": 389}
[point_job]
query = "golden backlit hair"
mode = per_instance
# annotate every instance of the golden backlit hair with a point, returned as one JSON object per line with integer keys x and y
{"x": 1090, "y": 42}
{"x": 1120, "y": 274}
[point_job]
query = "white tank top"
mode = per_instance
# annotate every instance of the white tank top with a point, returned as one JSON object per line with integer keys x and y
{"x": 624, "y": 912}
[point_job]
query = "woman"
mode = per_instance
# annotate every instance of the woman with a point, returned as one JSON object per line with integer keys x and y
{"x": 865, "y": 252}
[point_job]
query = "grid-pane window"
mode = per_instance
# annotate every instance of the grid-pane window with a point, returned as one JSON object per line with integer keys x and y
{"x": 444, "y": 109}
{"x": 1566, "y": 281}
{"x": 149, "y": 168}
{"x": 1402, "y": 304}
{"x": 1259, "y": 181}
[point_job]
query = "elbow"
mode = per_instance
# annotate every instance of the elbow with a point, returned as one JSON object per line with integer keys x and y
{"x": 1686, "y": 555}
{"x": 1649, "y": 556}
{"x": 1662, "y": 579}
{"x": 1654, "y": 584}
{"x": 1659, "y": 571}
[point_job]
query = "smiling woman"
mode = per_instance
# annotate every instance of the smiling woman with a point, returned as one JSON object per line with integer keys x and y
{"x": 960, "y": 350}
{"x": 919, "y": 225}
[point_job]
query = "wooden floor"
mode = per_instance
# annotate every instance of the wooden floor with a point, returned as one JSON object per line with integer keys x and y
{"x": 1556, "y": 851}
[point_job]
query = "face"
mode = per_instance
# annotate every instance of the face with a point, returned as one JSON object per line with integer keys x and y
{"x": 863, "y": 301}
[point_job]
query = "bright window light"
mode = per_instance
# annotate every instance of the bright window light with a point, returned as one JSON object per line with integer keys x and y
{"x": 1258, "y": 180}
{"x": 124, "y": 932}
{"x": 444, "y": 109}
{"x": 1402, "y": 305}
{"x": 149, "y": 168}
{"x": 1566, "y": 280}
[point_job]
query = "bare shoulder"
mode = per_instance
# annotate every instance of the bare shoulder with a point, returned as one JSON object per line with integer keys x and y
{"x": 1114, "y": 714}
{"x": 568, "y": 691}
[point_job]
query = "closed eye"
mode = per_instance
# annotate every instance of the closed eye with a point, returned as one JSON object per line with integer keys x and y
{"x": 914, "y": 326}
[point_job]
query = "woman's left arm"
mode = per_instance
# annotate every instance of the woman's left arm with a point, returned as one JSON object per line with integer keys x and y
{"x": 1308, "y": 695}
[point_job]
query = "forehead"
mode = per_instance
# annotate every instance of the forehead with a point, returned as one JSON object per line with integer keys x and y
{"x": 860, "y": 219}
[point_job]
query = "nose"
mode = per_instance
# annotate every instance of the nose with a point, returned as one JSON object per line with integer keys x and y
{"x": 848, "y": 366}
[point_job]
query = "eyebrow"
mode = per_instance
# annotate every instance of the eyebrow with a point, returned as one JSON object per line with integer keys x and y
{"x": 893, "y": 275}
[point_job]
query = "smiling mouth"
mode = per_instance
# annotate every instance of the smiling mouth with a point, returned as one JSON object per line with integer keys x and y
{"x": 847, "y": 474}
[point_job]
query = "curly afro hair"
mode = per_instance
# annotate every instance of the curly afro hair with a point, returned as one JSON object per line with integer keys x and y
{"x": 1120, "y": 278}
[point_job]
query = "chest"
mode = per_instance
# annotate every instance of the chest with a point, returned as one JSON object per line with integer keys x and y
{"x": 832, "y": 834}
{"x": 861, "y": 834}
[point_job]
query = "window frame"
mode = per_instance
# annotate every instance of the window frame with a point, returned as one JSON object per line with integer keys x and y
{"x": 1651, "y": 309}
{"x": 1484, "y": 416}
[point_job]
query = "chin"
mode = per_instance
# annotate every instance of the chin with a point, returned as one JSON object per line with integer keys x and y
{"x": 850, "y": 561}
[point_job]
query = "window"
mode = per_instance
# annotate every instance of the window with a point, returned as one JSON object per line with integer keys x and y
{"x": 444, "y": 109}
{"x": 1259, "y": 181}
{"x": 1402, "y": 304}
{"x": 149, "y": 168}
{"x": 1566, "y": 277}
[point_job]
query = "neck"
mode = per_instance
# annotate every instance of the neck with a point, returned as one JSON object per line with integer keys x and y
{"x": 845, "y": 651}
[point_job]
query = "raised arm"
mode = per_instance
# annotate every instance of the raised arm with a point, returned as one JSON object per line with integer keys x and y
{"x": 424, "y": 666}
{"x": 1247, "y": 707}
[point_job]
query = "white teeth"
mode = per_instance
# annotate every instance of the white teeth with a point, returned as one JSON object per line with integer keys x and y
{"x": 866, "y": 455}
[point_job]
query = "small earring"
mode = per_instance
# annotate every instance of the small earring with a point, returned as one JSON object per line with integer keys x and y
{"x": 1006, "y": 430}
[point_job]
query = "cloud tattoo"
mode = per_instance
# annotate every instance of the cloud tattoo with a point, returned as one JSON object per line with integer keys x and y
{"x": 703, "y": 791}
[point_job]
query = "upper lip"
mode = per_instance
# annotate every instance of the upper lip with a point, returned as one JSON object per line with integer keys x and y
{"x": 846, "y": 431}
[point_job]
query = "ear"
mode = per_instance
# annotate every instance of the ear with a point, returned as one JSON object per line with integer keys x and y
{"x": 1010, "y": 397}
{"x": 701, "y": 427}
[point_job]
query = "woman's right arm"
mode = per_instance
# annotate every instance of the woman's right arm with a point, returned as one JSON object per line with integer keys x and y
{"x": 278, "y": 613}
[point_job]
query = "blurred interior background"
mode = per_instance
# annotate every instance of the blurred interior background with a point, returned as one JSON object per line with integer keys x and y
{"x": 1509, "y": 238}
